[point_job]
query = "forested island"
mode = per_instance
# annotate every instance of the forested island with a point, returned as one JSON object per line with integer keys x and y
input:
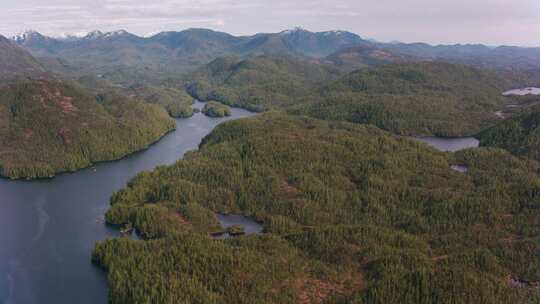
{"x": 216, "y": 109}
{"x": 352, "y": 214}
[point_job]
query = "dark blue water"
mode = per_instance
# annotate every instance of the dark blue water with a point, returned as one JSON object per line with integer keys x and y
{"x": 48, "y": 228}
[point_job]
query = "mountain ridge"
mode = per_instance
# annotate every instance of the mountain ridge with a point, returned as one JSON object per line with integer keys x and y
{"x": 178, "y": 52}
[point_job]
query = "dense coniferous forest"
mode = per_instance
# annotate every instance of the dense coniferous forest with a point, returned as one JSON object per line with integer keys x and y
{"x": 352, "y": 214}
{"x": 519, "y": 134}
{"x": 258, "y": 83}
{"x": 177, "y": 102}
{"x": 49, "y": 127}
{"x": 428, "y": 98}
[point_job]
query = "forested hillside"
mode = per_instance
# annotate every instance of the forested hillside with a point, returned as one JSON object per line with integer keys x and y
{"x": 49, "y": 127}
{"x": 16, "y": 63}
{"x": 366, "y": 55}
{"x": 175, "y": 101}
{"x": 477, "y": 55}
{"x": 352, "y": 214}
{"x": 519, "y": 134}
{"x": 427, "y": 98}
{"x": 258, "y": 83}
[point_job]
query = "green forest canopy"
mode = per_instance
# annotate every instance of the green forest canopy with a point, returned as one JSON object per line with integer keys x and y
{"x": 50, "y": 127}
{"x": 519, "y": 134}
{"x": 426, "y": 98}
{"x": 352, "y": 214}
{"x": 216, "y": 109}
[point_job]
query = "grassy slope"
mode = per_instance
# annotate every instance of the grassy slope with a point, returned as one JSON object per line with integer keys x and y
{"x": 48, "y": 127}
{"x": 352, "y": 214}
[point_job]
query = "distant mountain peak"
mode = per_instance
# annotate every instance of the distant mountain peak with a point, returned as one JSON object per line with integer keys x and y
{"x": 94, "y": 35}
{"x": 26, "y": 36}
{"x": 295, "y": 30}
{"x": 100, "y": 35}
{"x": 117, "y": 33}
{"x": 335, "y": 32}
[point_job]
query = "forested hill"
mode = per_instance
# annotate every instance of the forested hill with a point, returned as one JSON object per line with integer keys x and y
{"x": 423, "y": 98}
{"x": 17, "y": 63}
{"x": 50, "y": 127}
{"x": 367, "y": 55}
{"x": 352, "y": 214}
{"x": 258, "y": 83}
{"x": 478, "y": 55}
{"x": 519, "y": 134}
{"x": 429, "y": 98}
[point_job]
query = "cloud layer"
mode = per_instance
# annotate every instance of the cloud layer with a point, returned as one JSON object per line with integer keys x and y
{"x": 515, "y": 22}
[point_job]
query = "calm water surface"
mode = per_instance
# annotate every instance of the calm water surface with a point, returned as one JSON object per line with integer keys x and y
{"x": 250, "y": 225}
{"x": 48, "y": 228}
{"x": 523, "y": 92}
{"x": 449, "y": 144}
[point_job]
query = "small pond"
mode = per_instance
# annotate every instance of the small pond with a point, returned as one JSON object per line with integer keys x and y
{"x": 449, "y": 144}
{"x": 460, "y": 168}
{"x": 249, "y": 225}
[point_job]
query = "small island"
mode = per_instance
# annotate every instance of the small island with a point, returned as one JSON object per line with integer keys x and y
{"x": 216, "y": 109}
{"x": 180, "y": 110}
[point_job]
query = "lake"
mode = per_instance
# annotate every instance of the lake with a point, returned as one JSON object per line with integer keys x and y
{"x": 449, "y": 144}
{"x": 523, "y": 92}
{"x": 48, "y": 228}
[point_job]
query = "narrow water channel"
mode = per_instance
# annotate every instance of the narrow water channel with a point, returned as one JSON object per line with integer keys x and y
{"x": 48, "y": 228}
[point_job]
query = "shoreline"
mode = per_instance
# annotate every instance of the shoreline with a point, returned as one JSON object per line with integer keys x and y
{"x": 92, "y": 163}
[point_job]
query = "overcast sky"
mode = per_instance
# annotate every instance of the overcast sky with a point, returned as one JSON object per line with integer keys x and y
{"x": 494, "y": 22}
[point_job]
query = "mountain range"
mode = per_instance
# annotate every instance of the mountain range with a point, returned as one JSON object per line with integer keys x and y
{"x": 180, "y": 52}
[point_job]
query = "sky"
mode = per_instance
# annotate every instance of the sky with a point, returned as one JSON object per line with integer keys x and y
{"x": 492, "y": 22}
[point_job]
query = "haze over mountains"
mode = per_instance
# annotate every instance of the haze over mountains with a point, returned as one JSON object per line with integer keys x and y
{"x": 178, "y": 52}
